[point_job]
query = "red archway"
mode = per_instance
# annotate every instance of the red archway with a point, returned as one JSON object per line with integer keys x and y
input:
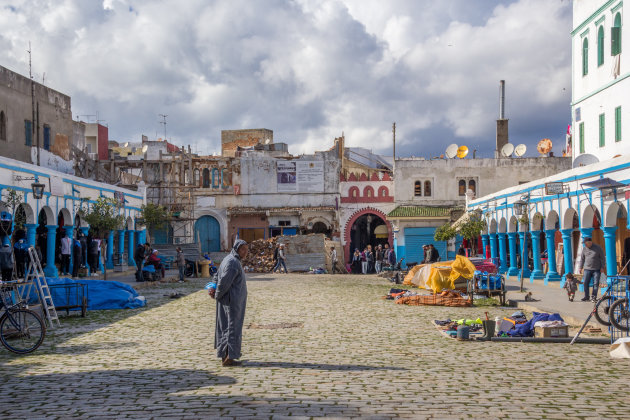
{"x": 354, "y": 217}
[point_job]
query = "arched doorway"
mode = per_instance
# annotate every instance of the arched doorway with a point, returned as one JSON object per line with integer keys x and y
{"x": 208, "y": 234}
{"x": 364, "y": 232}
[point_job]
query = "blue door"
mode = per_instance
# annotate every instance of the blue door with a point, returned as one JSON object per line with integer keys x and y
{"x": 46, "y": 137}
{"x": 415, "y": 238}
{"x": 208, "y": 233}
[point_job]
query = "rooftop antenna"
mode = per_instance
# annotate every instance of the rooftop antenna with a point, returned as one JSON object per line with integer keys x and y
{"x": 164, "y": 123}
{"x": 394, "y": 139}
{"x": 30, "y": 74}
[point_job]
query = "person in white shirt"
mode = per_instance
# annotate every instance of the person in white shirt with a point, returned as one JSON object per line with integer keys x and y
{"x": 333, "y": 260}
{"x": 66, "y": 250}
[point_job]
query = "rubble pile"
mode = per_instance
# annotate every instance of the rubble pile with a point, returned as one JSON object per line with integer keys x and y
{"x": 260, "y": 257}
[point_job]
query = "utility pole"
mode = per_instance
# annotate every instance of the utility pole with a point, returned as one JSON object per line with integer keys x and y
{"x": 394, "y": 132}
{"x": 164, "y": 123}
{"x": 30, "y": 73}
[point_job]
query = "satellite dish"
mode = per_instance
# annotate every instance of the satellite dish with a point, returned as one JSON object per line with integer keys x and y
{"x": 126, "y": 144}
{"x": 507, "y": 150}
{"x": 520, "y": 150}
{"x": 267, "y": 141}
{"x": 585, "y": 159}
{"x": 145, "y": 148}
{"x": 462, "y": 151}
{"x": 544, "y": 146}
{"x": 451, "y": 151}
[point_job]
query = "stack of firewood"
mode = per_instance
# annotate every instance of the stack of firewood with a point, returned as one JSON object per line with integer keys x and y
{"x": 260, "y": 257}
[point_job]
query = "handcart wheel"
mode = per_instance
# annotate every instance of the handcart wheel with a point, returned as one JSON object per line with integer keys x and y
{"x": 84, "y": 307}
{"x": 620, "y": 314}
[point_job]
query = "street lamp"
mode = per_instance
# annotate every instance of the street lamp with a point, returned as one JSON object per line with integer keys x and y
{"x": 38, "y": 190}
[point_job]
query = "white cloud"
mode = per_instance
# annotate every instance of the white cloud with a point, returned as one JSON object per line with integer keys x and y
{"x": 307, "y": 69}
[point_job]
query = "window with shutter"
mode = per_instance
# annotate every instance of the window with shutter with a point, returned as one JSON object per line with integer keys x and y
{"x": 600, "y": 46}
{"x": 618, "y": 123}
{"x": 585, "y": 57}
{"x": 615, "y": 36}
{"x": 602, "y": 130}
{"x": 581, "y": 137}
{"x": 427, "y": 188}
{"x": 28, "y": 133}
{"x": 417, "y": 189}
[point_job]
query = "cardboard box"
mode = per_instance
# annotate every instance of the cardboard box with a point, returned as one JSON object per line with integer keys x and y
{"x": 552, "y": 331}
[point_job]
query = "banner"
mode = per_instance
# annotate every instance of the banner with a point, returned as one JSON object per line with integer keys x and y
{"x": 300, "y": 176}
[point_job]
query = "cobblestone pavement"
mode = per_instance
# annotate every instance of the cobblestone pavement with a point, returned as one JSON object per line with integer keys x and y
{"x": 346, "y": 353}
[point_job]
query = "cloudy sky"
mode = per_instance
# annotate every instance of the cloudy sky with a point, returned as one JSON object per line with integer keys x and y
{"x": 306, "y": 69}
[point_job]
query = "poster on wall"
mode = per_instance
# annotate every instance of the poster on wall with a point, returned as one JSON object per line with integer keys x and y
{"x": 287, "y": 177}
{"x": 304, "y": 177}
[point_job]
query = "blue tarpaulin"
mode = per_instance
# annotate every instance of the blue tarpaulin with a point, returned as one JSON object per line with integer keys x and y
{"x": 101, "y": 294}
{"x": 527, "y": 329}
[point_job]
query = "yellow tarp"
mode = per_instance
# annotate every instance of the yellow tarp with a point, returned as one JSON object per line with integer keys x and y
{"x": 441, "y": 275}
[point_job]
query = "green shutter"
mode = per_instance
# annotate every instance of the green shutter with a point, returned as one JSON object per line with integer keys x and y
{"x": 602, "y": 130}
{"x": 581, "y": 137}
{"x": 28, "y": 133}
{"x": 585, "y": 57}
{"x": 615, "y": 40}
{"x": 600, "y": 46}
{"x": 618, "y": 123}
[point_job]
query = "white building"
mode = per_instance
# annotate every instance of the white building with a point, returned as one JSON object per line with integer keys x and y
{"x": 600, "y": 106}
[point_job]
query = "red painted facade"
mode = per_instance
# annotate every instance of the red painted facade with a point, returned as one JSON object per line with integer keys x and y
{"x": 354, "y": 217}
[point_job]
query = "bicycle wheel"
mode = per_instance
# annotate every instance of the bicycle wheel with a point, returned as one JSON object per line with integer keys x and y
{"x": 602, "y": 309}
{"x": 21, "y": 330}
{"x": 620, "y": 314}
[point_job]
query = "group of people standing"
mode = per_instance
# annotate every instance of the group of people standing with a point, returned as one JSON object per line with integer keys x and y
{"x": 372, "y": 261}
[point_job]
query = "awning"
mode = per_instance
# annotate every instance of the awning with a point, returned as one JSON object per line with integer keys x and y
{"x": 420, "y": 211}
{"x": 381, "y": 232}
{"x": 603, "y": 183}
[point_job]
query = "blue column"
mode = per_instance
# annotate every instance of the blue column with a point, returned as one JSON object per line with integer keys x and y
{"x": 110, "y": 250}
{"x": 611, "y": 250}
{"x": 568, "y": 253}
{"x": 121, "y": 244}
{"x": 31, "y": 233}
{"x": 513, "y": 270}
{"x": 537, "y": 274}
{"x": 131, "y": 247}
{"x": 70, "y": 233}
{"x": 524, "y": 257}
{"x": 494, "y": 249}
{"x": 552, "y": 274}
{"x": 484, "y": 243}
{"x": 51, "y": 270}
{"x": 503, "y": 252}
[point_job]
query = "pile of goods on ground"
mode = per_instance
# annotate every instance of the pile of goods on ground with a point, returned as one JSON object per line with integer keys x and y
{"x": 260, "y": 257}
{"x": 444, "y": 298}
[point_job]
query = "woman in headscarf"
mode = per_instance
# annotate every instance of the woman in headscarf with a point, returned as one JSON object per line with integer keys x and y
{"x": 156, "y": 262}
{"x": 356, "y": 262}
{"x": 231, "y": 296}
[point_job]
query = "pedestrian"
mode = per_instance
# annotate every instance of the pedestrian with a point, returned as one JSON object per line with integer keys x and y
{"x": 93, "y": 248}
{"x": 435, "y": 255}
{"x": 281, "y": 260}
{"x": 333, "y": 260}
{"x": 231, "y": 296}
{"x": 6, "y": 263}
{"x": 356, "y": 262}
{"x": 461, "y": 251}
{"x": 156, "y": 262}
{"x": 20, "y": 251}
{"x": 66, "y": 250}
{"x": 592, "y": 265}
{"x": 370, "y": 259}
{"x": 181, "y": 263}
{"x": 571, "y": 285}
{"x": 275, "y": 256}
{"x": 391, "y": 257}
{"x": 378, "y": 258}
{"x": 76, "y": 257}
{"x": 425, "y": 250}
{"x": 84, "y": 249}
{"x": 364, "y": 262}
{"x": 138, "y": 257}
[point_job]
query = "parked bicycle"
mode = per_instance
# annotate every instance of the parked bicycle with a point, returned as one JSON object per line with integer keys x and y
{"x": 21, "y": 330}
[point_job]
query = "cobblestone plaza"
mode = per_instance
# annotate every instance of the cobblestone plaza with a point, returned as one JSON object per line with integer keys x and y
{"x": 313, "y": 346}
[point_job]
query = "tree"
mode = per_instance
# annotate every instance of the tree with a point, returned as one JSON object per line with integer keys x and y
{"x": 103, "y": 217}
{"x": 14, "y": 198}
{"x": 155, "y": 216}
{"x": 471, "y": 229}
{"x": 446, "y": 232}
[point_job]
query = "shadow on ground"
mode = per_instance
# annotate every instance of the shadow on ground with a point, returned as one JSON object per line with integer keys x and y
{"x": 116, "y": 393}
{"x": 316, "y": 366}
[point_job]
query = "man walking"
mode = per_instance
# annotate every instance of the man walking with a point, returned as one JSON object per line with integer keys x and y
{"x": 181, "y": 263}
{"x": 378, "y": 265}
{"x": 592, "y": 264}
{"x": 333, "y": 260}
{"x": 138, "y": 257}
{"x": 231, "y": 296}
{"x": 66, "y": 250}
{"x": 281, "y": 258}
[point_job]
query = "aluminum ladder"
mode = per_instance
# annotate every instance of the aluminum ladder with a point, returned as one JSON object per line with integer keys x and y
{"x": 36, "y": 275}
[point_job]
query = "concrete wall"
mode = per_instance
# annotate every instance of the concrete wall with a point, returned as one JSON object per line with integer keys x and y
{"x": 16, "y": 103}
{"x": 232, "y": 139}
{"x": 490, "y": 175}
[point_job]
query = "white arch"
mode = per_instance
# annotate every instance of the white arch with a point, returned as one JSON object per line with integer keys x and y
{"x": 513, "y": 225}
{"x": 537, "y": 221}
{"x": 612, "y": 214}
{"x": 503, "y": 225}
{"x": 587, "y": 216}
{"x": 493, "y": 226}
{"x": 551, "y": 220}
{"x": 67, "y": 217}
{"x": 50, "y": 216}
{"x": 129, "y": 223}
{"x": 567, "y": 219}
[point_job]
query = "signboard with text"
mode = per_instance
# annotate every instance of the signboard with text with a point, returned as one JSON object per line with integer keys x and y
{"x": 553, "y": 188}
{"x": 300, "y": 176}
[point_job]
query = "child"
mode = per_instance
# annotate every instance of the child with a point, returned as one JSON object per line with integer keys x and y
{"x": 571, "y": 285}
